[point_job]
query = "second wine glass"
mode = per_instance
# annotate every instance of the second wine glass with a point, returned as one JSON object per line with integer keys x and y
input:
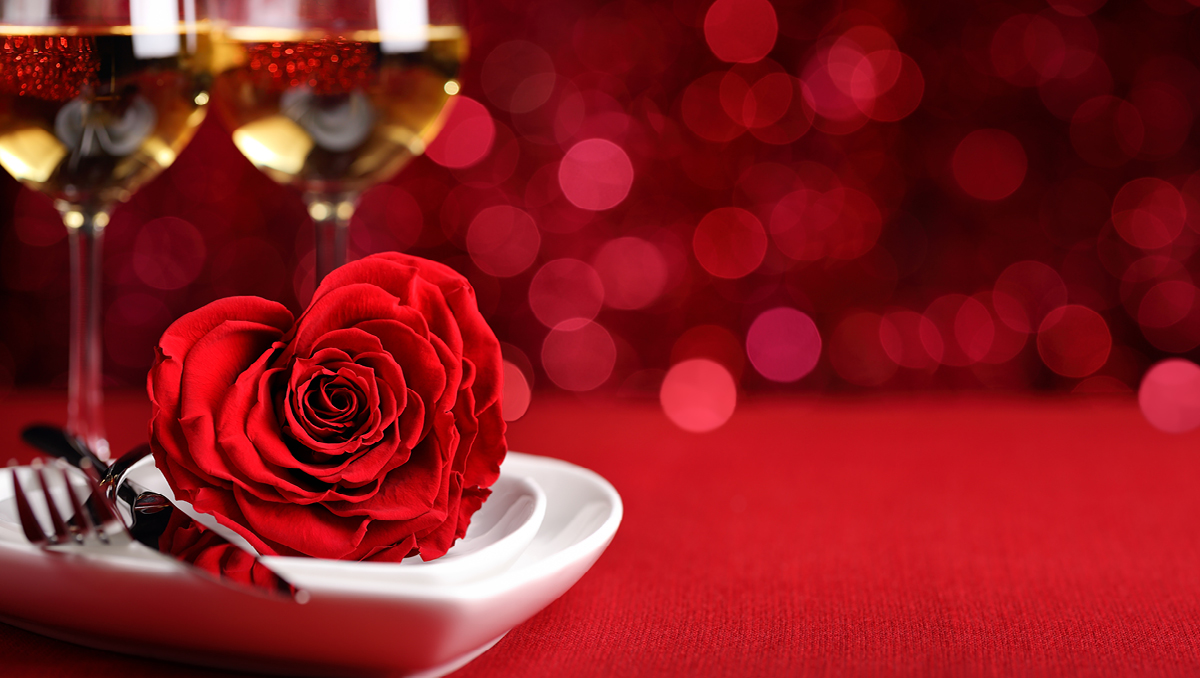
{"x": 334, "y": 97}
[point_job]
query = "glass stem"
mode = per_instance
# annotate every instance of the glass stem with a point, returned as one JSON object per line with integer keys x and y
{"x": 85, "y": 396}
{"x": 331, "y": 216}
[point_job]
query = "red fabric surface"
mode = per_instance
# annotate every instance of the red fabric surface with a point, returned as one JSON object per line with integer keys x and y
{"x": 934, "y": 536}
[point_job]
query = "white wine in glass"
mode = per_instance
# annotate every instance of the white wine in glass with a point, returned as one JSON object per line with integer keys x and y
{"x": 96, "y": 98}
{"x": 334, "y": 97}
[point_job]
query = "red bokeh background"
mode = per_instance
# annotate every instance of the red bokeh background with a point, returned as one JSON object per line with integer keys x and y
{"x": 811, "y": 195}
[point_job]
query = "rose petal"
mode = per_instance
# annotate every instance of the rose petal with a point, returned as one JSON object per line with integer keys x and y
{"x": 411, "y": 490}
{"x": 308, "y": 529}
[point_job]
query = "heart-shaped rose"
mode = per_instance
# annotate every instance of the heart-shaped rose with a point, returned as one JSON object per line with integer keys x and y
{"x": 368, "y": 429}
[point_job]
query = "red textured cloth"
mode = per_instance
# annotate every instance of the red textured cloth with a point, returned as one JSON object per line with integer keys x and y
{"x": 937, "y": 536}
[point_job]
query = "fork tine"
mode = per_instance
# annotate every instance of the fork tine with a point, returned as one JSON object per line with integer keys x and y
{"x": 29, "y": 522}
{"x": 61, "y": 532}
{"x": 80, "y": 522}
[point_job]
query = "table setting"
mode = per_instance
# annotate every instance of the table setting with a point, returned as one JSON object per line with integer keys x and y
{"x": 700, "y": 337}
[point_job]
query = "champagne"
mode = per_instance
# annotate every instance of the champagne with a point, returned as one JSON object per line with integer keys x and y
{"x": 334, "y": 115}
{"x": 89, "y": 114}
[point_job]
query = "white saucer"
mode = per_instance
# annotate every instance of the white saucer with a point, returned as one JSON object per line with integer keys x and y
{"x": 363, "y": 618}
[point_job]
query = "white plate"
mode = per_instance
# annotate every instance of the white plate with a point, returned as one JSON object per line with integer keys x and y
{"x": 499, "y": 533}
{"x": 358, "y": 622}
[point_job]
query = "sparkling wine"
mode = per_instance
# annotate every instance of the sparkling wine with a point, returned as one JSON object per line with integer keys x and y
{"x": 334, "y": 115}
{"x": 87, "y": 115}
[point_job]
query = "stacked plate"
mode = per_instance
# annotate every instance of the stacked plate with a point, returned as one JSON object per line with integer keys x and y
{"x": 544, "y": 526}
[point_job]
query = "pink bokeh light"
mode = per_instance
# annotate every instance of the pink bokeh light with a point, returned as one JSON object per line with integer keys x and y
{"x": 698, "y": 395}
{"x": 783, "y": 344}
{"x": 516, "y": 394}
{"x": 1169, "y": 395}
{"x": 595, "y": 174}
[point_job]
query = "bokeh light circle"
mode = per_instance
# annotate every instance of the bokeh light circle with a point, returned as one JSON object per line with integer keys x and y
{"x": 1169, "y": 395}
{"x": 595, "y": 174}
{"x": 1149, "y": 213}
{"x": 1074, "y": 341}
{"x": 1167, "y": 303}
{"x": 783, "y": 344}
{"x": 989, "y": 164}
{"x": 467, "y": 134}
{"x": 516, "y": 394}
{"x": 503, "y": 240}
{"x": 1025, "y": 292}
{"x": 1107, "y": 131}
{"x": 565, "y": 293}
{"x": 580, "y": 358}
{"x": 910, "y": 340}
{"x": 633, "y": 271}
{"x": 1076, "y": 8}
{"x": 518, "y": 76}
{"x": 741, "y": 30}
{"x": 698, "y": 395}
{"x": 168, "y": 253}
{"x": 713, "y": 342}
{"x": 729, "y": 242}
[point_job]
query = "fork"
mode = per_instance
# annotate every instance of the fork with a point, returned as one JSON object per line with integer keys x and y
{"x": 97, "y": 521}
{"x": 92, "y": 521}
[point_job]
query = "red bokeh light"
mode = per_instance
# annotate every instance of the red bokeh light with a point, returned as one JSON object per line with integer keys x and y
{"x": 877, "y": 169}
{"x": 1107, "y": 131}
{"x": 989, "y": 164}
{"x": 1025, "y": 293}
{"x": 1028, "y": 49}
{"x": 565, "y": 293}
{"x": 729, "y": 242}
{"x": 467, "y": 134}
{"x": 503, "y": 240}
{"x": 704, "y": 108}
{"x": 1149, "y": 213}
{"x": 1077, "y": 7}
{"x": 580, "y": 357}
{"x": 1074, "y": 341}
{"x": 169, "y": 253}
{"x": 518, "y": 76}
{"x": 714, "y": 343}
{"x": 740, "y": 30}
{"x": 633, "y": 271}
{"x": 910, "y": 340}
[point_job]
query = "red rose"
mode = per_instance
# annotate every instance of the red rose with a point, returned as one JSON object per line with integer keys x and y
{"x": 196, "y": 544}
{"x": 369, "y": 429}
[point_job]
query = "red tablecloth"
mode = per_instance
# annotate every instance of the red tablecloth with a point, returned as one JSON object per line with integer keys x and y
{"x": 964, "y": 536}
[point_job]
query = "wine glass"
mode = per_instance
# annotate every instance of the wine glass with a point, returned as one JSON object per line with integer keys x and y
{"x": 332, "y": 97}
{"x": 96, "y": 98}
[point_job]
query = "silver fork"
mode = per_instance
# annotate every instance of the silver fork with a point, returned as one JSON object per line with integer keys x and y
{"x": 97, "y": 522}
{"x": 92, "y": 521}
